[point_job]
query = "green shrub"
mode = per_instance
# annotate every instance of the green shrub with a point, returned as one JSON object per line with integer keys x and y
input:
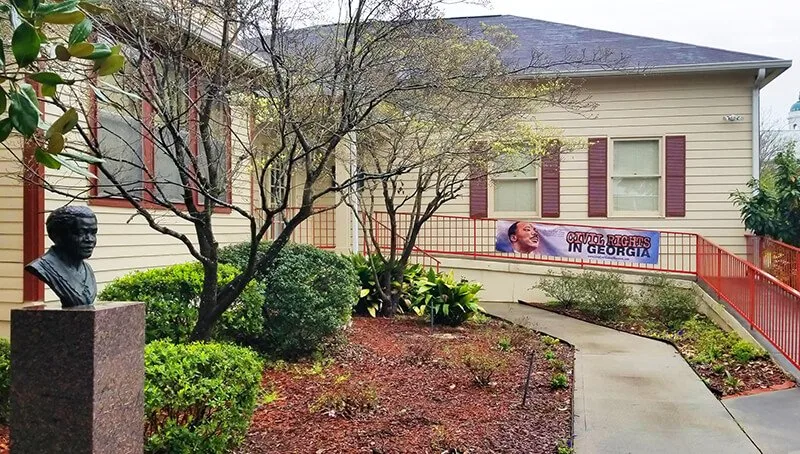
{"x": 665, "y": 303}
{"x": 199, "y": 397}
{"x": 452, "y": 302}
{"x": 5, "y": 380}
{"x": 172, "y": 295}
{"x": 566, "y": 290}
{"x": 309, "y": 297}
{"x": 744, "y": 351}
{"x": 605, "y": 295}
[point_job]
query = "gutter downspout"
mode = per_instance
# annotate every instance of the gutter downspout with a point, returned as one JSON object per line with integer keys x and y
{"x": 759, "y": 83}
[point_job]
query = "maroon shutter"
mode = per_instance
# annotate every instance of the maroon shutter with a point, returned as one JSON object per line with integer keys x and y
{"x": 478, "y": 194}
{"x": 598, "y": 177}
{"x": 551, "y": 182}
{"x": 675, "y": 185}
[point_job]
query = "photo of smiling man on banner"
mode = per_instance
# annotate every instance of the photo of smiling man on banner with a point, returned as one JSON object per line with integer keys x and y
{"x": 519, "y": 237}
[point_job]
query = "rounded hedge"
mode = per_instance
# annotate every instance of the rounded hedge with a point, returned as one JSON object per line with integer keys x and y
{"x": 172, "y": 295}
{"x": 199, "y": 397}
{"x": 309, "y": 296}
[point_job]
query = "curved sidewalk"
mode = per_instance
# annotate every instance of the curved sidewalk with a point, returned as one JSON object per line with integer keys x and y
{"x": 632, "y": 394}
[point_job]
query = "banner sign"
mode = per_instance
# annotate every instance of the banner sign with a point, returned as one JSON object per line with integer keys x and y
{"x": 522, "y": 237}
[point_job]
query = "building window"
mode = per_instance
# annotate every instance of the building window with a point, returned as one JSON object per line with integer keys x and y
{"x": 120, "y": 140}
{"x": 636, "y": 177}
{"x": 517, "y": 191}
{"x": 120, "y": 135}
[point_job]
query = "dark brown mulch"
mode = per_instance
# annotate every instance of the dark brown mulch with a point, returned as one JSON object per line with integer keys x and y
{"x": 424, "y": 405}
{"x": 754, "y": 375}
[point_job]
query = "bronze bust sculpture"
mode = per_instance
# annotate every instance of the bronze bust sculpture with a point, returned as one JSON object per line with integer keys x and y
{"x": 73, "y": 230}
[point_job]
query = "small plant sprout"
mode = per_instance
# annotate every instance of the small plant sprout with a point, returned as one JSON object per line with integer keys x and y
{"x": 549, "y": 355}
{"x": 558, "y": 365}
{"x": 719, "y": 368}
{"x": 550, "y": 341}
{"x": 565, "y": 447}
{"x": 559, "y": 381}
{"x": 504, "y": 344}
{"x": 732, "y": 382}
{"x": 270, "y": 396}
{"x": 482, "y": 367}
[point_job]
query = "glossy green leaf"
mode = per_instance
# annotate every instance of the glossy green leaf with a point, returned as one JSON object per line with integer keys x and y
{"x": 64, "y": 124}
{"x": 28, "y": 90}
{"x": 65, "y": 18}
{"x": 48, "y": 78}
{"x": 71, "y": 165}
{"x": 23, "y": 113}
{"x": 80, "y": 32}
{"x": 25, "y": 44}
{"x": 62, "y": 53}
{"x": 5, "y": 128}
{"x": 48, "y": 90}
{"x": 100, "y": 52}
{"x": 67, "y": 6}
{"x": 23, "y": 5}
{"x": 81, "y": 50}
{"x": 364, "y": 292}
{"x": 371, "y": 310}
{"x": 56, "y": 144}
{"x": 82, "y": 157}
{"x": 3, "y": 100}
{"x": 46, "y": 159}
{"x": 111, "y": 65}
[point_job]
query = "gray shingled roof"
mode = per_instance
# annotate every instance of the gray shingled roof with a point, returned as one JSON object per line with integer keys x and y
{"x": 557, "y": 42}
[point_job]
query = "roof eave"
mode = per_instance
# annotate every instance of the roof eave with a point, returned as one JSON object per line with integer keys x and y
{"x": 776, "y": 67}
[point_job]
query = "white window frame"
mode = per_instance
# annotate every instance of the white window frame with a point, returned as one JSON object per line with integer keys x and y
{"x": 537, "y": 181}
{"x": 659, "y": 213}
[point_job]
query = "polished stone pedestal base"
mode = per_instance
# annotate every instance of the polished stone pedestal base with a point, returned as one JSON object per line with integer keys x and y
{"x": 77, "y": 379}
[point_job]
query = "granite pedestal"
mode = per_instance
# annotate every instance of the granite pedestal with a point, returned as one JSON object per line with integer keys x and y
{"x": 77, "y": 381}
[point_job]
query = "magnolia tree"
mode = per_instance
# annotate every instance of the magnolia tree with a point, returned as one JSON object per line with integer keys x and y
{"x": 197, "y": 72}
{"x": 40, "y": 34}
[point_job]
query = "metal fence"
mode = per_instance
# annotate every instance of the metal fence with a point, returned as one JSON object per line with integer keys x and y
{"x": 776, "y": 258}
{"x": 771, "y": 307}
{"x": 318, "y": 230}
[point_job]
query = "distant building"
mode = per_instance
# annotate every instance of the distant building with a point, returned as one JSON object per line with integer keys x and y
{"x": 792, "y": 131}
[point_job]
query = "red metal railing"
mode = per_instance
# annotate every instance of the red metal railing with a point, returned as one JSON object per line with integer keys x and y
{"x": 463, "y": 236}
{"x": 381, "y": 234}
{"x": 769, "y": 305}
{"x": 776, "y": 258}
{"x": 318, "y": 230}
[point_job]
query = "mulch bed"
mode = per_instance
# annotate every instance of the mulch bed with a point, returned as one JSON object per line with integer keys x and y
{"x": 425, "y": 399}
{"x": 754, "y": 375}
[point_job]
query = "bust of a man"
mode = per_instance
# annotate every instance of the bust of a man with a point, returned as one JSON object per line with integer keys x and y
{"x": 73, "y": 230}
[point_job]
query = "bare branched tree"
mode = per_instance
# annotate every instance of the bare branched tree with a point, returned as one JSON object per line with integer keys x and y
{"x": 197, "y": 70}
{"x": 771, "y": 141}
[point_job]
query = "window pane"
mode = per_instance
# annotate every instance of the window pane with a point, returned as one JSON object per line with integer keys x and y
{"x": 167, "y": 176}
{"x": 220, "y": 162}
{"x": 636, "y": 157}
{"x": 515, "y": 195}
{"x": 635, "y": 194}
{"x": 120, "y": 144}
{"x": 511, "y": 161}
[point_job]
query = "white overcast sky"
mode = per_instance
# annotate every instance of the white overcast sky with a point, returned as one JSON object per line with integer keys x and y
{"x": 762, "y": 27}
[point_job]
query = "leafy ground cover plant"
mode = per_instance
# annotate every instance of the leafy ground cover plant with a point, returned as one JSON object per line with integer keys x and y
{"x": 448, "y": 301}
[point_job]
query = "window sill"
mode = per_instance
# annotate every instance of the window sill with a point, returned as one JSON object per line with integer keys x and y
{"x": 514, "y": 215}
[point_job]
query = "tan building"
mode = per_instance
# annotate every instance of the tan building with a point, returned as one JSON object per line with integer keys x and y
{"x": 674, "y": 133}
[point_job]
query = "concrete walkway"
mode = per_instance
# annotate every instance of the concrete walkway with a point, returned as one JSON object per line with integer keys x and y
{"x": 634, "y": 395}
{"x": 771, "y": 419}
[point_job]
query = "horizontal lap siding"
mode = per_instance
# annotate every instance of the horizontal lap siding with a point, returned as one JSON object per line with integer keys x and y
{"x": 11, "y": 236}
{"x": 718, "y": 153}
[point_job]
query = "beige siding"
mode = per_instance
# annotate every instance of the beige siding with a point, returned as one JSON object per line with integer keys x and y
{"x": 718, "y": 153}
{"x": 11, "y": 237}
